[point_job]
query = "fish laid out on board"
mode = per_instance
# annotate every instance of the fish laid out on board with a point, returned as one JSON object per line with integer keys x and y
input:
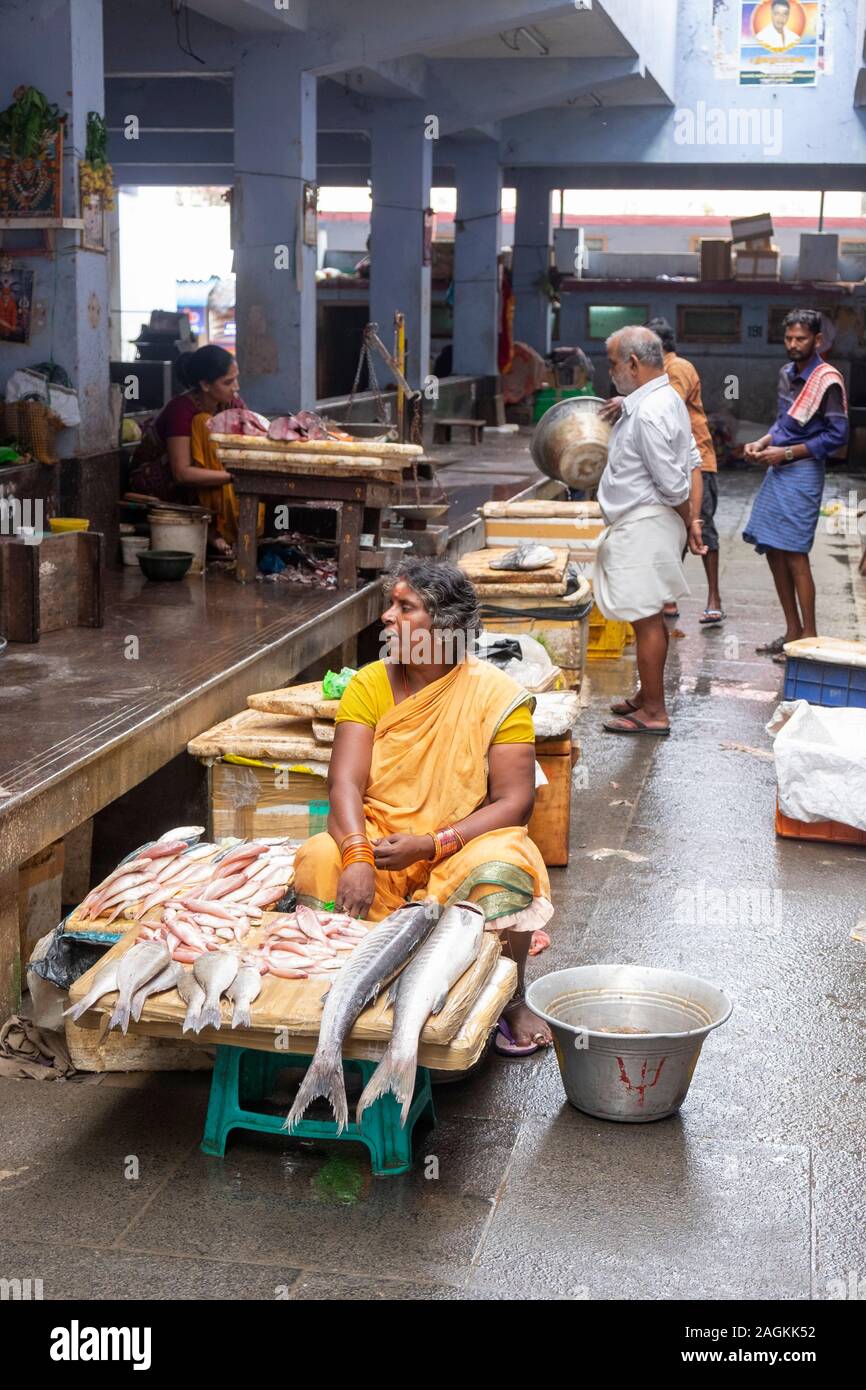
{"x": 192, "y": 994}
{"x": 214, "y": 971}
{"x": 419, "y": 991}
{"x": 525, "y": 557}
{"x": 140, "y": 963}
{"x": 244, "y": 989}
{"x": 166, "y": 979}
{"x": 105, "y": 982}
{"x": 384, "y": 950}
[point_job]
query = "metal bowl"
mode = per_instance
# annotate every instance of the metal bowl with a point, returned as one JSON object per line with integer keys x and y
{"x": 627, "y": 1037}
{"x": 570, "y": 441}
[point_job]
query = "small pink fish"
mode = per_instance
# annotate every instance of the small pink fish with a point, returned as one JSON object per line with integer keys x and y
{"x": 218, "y": 888}
{"x": 309, "y": 924}
{"x": 165, "y": 850}
{"x": 199, "y": 905}
{"x": 186, "y": 954}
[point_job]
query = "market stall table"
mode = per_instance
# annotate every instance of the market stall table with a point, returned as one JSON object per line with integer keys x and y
{"x": 355, "y": 480}
{"x": 284, "y": 1033}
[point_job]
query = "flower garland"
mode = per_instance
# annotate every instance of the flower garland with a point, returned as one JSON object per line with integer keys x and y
{"x": 94, "y": 171}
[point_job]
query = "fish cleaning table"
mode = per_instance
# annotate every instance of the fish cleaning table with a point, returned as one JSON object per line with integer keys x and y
{"x": 356, "y": 480}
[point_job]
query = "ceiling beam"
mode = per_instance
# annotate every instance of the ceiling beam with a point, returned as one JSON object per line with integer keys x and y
{"x": 463, "y": 91}
{"x": 394, "y": 29}
{"x": 255, "y": 16}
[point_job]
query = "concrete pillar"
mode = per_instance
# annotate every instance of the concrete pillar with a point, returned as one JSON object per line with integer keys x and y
{"x": 532, "y": 239}
{"x": 401, "y": 169}
{"x": 56, "y": 46}
{"x": 476, "y": 246}
{"x": 275, "y": 155}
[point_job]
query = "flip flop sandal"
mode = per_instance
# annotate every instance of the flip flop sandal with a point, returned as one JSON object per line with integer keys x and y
{"x": 624, "y": 707}
{"x": 675, "y": 614}
{"x": 770, "y": 648}
{"x": 638, "y": 728}
{"x": 506, "y": 1046}
{"x": 712, "y": 617}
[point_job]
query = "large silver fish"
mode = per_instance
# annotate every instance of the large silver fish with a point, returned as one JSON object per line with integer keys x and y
{"x": 140, "y": 963}
{"x": 104, "y": 982}
{"x": 243, "y": 990}
{"x": 383, "y": 951}
{"x": 192, "y": 994}
{"x": 214, "y": 972}
{"x": 159, "y": 984}
{"x": 419, "y": 991}
{"x": 525, "y": 557}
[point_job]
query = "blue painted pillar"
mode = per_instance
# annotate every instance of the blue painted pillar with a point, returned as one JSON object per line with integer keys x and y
{"x": 476, "y": 246}
{"x": 56, "y": 45}
{"x": 532, "y": 239}
{"x": 401, "y": 168}
{"x": 275, "y": 155}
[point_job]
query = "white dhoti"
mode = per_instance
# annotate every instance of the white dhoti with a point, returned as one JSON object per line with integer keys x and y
{"x": 638, "y": 566}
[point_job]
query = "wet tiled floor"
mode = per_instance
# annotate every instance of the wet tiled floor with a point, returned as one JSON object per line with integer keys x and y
{"x": 754, "y": 1190}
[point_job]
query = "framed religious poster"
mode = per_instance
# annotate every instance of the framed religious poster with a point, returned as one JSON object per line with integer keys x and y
{"x": 16, "y": 302}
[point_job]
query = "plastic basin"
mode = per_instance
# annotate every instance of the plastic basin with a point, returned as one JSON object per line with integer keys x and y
{"x": 61, "y": 524}
{"x": 165, "y": 564}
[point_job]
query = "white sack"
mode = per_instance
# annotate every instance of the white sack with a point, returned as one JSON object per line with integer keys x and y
{"x": 820, "y": 756}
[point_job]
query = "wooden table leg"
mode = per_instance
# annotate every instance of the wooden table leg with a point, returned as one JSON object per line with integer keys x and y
{"x": 10, "y": 946}
{"x": 350, "y": 535}
{"x": 247, "y": 550}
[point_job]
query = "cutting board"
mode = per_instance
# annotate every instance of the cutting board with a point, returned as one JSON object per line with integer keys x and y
{"x": 538, "y": 507}
{"x": 292, "y": 1005}
{"x": 477, "y": 566}
{"x": 299, "y": 701}
{"x": 253, "y": 734}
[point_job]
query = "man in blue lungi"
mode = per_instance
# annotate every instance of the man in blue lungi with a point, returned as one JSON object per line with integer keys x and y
{"x": 811, "y": 425}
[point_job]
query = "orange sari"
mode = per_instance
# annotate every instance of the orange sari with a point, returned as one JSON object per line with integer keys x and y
{"x": 221, "y": 499}
{"x": 429, "y": 769}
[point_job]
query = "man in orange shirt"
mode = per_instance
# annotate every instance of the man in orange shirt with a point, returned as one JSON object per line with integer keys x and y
{"x": 684, "y": 379}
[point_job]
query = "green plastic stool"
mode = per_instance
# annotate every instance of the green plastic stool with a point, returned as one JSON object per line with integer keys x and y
{"x": 243, "y": 1075}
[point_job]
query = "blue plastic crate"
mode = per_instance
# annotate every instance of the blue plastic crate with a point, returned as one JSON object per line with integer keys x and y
{"x": 825, "y": 683}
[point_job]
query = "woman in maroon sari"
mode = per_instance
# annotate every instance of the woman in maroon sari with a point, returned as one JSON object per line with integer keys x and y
{"x": 176, "y": 461}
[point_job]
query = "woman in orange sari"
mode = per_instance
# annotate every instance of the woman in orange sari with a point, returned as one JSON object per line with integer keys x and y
{"x": 432, "y": 783}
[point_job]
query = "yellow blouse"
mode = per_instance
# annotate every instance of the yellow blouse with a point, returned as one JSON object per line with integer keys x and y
{"x": 368, "y": 697}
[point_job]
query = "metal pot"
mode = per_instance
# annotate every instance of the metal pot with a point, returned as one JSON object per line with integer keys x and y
{"x": 570, "y": 441}
{"x": 627, "y": 1037}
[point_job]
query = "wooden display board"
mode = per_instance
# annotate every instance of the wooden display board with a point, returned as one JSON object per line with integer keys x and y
{"x": 287, "y": 1014}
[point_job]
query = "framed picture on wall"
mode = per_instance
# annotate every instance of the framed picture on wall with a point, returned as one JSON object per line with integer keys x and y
{"x": 311, "y": 214}
{"x": 16, "y": 303}
{"x": 93, "y": 231}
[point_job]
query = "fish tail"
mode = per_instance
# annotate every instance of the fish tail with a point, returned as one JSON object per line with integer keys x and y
{"x": 137, "y": 1006}
{"x": 76, "y": 1010}
{"x": 324, "y": 1078}
{"x": 393, "y": 1074}
{"x": 120, "y": 1017}
{"x": 191, "y": 1019}
{"x": 241, "y": 1016}
{"x": 209, "y": 1017}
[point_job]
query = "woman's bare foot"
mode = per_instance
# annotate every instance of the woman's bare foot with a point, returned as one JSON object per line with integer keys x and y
{"x": 526, "y": 1027}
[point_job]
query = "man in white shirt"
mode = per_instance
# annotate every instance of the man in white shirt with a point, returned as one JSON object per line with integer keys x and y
{"x": 777, "y": 34}
{"x": 644, "y": 497}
